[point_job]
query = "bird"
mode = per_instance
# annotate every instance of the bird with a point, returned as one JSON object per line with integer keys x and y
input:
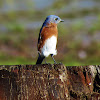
{"x": 47, "y": 39}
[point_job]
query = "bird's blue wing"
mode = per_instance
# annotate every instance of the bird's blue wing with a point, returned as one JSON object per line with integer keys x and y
{"x": 44, "y": 24}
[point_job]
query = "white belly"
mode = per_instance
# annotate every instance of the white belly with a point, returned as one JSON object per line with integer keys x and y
{"x": 49, "y": 47}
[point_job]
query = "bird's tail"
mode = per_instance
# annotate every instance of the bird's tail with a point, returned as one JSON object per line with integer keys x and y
{"x": 40, "y": 59}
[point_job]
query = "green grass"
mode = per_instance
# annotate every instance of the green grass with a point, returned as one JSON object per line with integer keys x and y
{"x": 17, "y": 61}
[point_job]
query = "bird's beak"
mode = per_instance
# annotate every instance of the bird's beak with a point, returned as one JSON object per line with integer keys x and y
{"x": 62, "y": 20}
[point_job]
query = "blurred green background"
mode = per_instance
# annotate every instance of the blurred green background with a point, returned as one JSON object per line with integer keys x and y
{"x": 79, "y": 35}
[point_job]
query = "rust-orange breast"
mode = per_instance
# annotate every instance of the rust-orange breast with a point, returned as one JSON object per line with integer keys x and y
{"x": 47, "y": 32}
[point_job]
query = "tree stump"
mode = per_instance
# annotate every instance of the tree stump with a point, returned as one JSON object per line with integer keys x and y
{"x": 49, "y": 82}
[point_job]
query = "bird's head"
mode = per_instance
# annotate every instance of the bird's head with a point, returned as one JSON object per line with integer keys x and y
{"x": 53, "y": 19}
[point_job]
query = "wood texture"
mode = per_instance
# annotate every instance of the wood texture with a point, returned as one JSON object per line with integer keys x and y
{"x": 49, "y": 82}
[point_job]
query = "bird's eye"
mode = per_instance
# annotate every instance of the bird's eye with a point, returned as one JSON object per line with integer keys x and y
{"x": 56, "y": 19}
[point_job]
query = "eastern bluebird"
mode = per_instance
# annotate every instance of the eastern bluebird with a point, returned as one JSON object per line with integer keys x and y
{"x": 48, "y": 38}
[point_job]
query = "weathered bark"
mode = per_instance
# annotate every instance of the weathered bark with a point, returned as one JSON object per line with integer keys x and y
{"x": 49, "y": 82}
